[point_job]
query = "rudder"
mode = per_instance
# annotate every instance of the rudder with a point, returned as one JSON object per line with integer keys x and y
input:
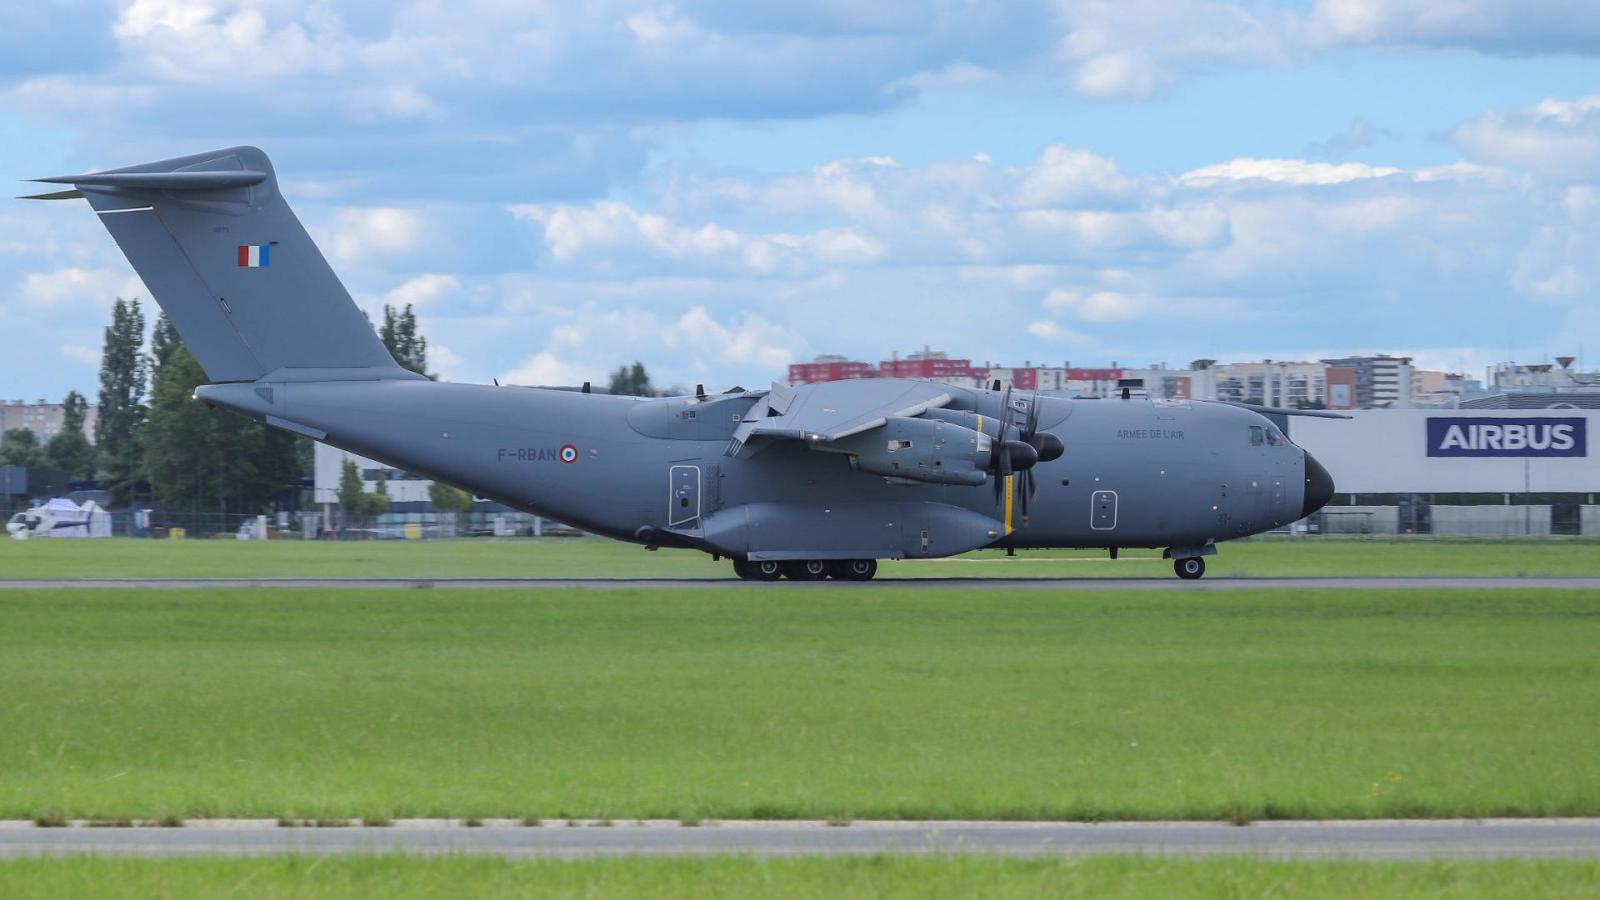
{"x": 233, "y": 268}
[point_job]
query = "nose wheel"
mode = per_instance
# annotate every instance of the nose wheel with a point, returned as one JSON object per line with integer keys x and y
{"x": 1190, "y": 568}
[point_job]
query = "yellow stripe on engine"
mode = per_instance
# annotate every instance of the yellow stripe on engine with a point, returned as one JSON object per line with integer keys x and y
{"x": 1008, "y": 503}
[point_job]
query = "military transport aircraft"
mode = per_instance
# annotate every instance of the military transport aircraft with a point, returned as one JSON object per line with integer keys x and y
{"x": 805, "y": 482}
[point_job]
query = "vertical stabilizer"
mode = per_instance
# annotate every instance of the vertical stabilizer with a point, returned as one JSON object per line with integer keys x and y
{"x": 233, "y": 268}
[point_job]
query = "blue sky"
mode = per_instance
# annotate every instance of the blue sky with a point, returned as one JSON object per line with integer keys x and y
{"x": 719, "y": 189}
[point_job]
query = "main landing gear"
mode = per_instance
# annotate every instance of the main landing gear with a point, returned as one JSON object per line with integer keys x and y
{"x": 1189, "y": 568}
{"x": 806, "y": 569}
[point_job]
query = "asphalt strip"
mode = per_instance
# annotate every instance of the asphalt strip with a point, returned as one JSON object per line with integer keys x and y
{"x": 1372, "y": 839}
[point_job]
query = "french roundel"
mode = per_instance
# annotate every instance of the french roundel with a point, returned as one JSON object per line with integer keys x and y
{"x": 569, "y": 453}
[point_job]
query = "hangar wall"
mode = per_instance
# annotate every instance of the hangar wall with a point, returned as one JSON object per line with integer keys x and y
{"x": 1458, "y": 471}
{"x": 1380, "y": 451}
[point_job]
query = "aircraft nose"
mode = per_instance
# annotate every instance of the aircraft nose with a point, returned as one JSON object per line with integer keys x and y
{"x": 1319, "y": 487}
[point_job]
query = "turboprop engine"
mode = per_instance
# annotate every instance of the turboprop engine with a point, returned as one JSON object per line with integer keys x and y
{"x": 919, "y": 450}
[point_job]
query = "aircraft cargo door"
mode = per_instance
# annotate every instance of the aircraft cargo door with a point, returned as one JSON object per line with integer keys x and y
{"x": 684, "y": 498}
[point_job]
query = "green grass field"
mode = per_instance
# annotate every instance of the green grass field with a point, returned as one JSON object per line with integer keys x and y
{"x": 849, "y": 703}
{"x": 582, "y": 557}
{"x": 960, "y": 876}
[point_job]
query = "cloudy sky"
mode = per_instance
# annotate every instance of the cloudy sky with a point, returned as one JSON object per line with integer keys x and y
{"x": 718, "y": 189}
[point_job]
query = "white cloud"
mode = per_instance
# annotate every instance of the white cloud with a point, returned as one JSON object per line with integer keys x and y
{"x": 1066, "y": 175}
{"x": 445, "y": 361}
{"x": 624, "y": 236}
{"x": 747, "y": 341}
{"x": 196, "y": 41}
{"x": 1553, "y": 138}
{"x": 1284, "y": 171}
{"x": 421, "y": 290}
{"x": 1100, "y": 306}
{"x": 545, "y": 369}
{"x": 1497, "y": 26}
{"x": 72, "y": 287}
{"x": 1048, "y": 330}
{"x": 362, "y": 234}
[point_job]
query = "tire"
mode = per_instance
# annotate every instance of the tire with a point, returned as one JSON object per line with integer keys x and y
{"x": 806, "y": 570}
{"x": 763, "y": 570}
{"x": 855, "y": 569}
{"x": 1189, "y": 568}
{"x": 741, "y": 568}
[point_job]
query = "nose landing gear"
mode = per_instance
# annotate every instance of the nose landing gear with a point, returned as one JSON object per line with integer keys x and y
{"x": 1189, "y": 568}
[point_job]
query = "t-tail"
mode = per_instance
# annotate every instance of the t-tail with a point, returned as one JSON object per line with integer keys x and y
{"x": 233, "y": 268}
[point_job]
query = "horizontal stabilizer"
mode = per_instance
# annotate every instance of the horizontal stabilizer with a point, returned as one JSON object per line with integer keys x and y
{"x": 73, "y": 194}
{"x": 164, "y": 181}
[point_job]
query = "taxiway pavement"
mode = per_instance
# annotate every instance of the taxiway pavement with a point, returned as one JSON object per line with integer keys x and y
{"x": 1378, "y": 839}
{"x": 1042, "y": 583}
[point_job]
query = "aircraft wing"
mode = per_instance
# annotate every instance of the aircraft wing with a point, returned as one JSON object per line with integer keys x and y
{"x": 832, "y": 410}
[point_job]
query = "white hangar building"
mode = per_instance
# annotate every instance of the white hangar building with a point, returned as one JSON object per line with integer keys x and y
{"x": 1458, "y": 471}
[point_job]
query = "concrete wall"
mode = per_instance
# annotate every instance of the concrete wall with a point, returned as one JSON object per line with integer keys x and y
{"x": 1481, "y": 521}
{"x": 1360, "y": 520}
{"x": 1492, "y": 521}
{"x": 1590, "y": 519}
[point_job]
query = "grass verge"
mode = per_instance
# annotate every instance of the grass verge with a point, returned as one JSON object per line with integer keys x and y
{"x": 586, "y": 557}
{"x": 844, "y": 704}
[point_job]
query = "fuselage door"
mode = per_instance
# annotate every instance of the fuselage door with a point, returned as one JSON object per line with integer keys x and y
{"x": 684, "y": 501}
{"x": 1103, "y": 510}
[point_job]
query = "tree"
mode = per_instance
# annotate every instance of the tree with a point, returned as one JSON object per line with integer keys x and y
{"x": 20, "y": 447}
{"x": 357, "y": 503}
{"x": 448, "y": 499}
{"x": 399, "y": 334}
{"x": 632, "y": 381}
{"x": 118, "y": 430}
{"x": 209, "y": 460}
{"x": 70, "y": 450}
{"x": 164, "y": 339}
{"x": 352, "y": 493}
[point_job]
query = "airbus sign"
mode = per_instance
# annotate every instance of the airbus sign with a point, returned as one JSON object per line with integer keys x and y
{"x": 1531, "y": 436}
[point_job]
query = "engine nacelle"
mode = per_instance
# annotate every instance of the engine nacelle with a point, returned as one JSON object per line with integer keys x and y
{"x": 919, "y": 450}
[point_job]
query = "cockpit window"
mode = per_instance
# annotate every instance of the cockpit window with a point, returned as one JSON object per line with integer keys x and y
{"x": 1256, "y": 436}
{"x": 1275, "y": 437}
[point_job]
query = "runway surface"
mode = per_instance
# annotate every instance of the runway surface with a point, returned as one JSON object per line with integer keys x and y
{"x": 1526, "y": 838}
{"x": 1074, "y": 584}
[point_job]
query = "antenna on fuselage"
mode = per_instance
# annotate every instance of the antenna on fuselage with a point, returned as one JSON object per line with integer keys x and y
{"x": 586, "y": 389}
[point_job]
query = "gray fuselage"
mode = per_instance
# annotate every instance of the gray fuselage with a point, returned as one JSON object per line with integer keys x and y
{"x": 1135, "y": 473}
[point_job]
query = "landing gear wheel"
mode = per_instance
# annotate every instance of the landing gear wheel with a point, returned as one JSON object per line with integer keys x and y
{"x": 762, "y": 570}
{"x": 855, "y": 569}
{"x": 1189, "y": 568}
{"x": 806, "y": 570}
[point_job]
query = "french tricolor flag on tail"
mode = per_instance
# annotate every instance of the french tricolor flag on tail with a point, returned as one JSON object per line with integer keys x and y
{"x": 254, "y": 256}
